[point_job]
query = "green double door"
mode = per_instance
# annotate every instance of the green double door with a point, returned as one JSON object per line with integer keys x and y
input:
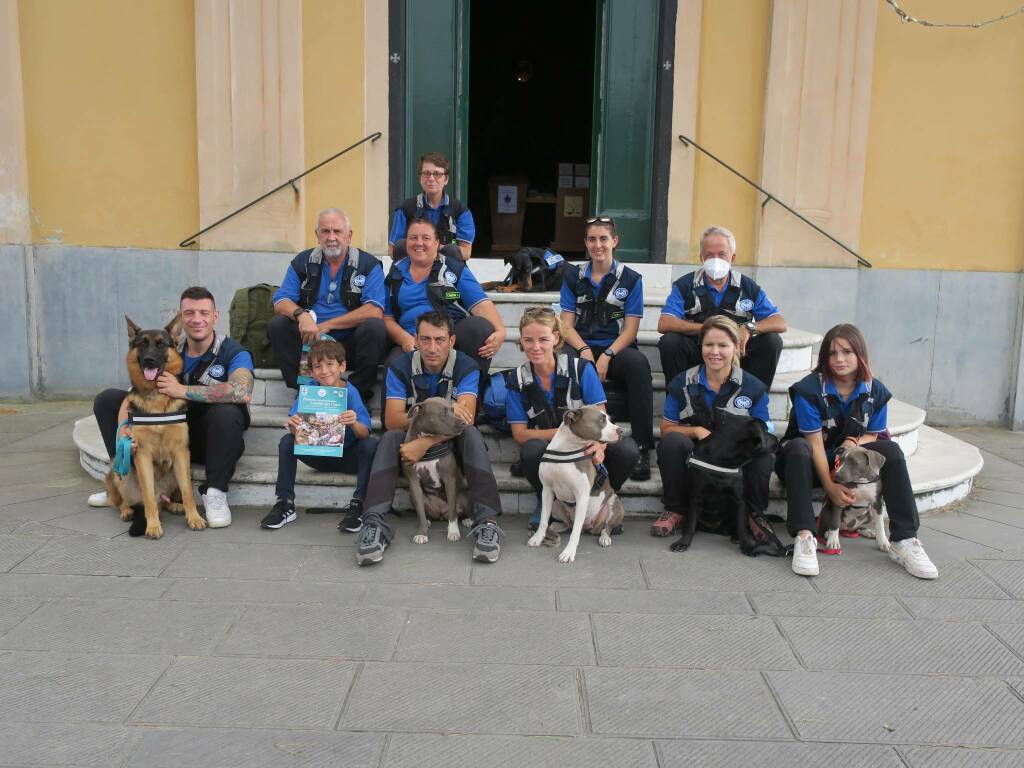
{"x": 626, "y": 49}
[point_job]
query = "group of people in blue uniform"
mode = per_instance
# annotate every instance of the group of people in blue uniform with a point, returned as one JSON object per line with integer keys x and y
{"x": 430, "y": 323}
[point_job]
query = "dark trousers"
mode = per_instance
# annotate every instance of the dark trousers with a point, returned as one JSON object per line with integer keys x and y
{"x": 680, "y": 352}
{"x": 795, "y": 468}
{"x": 472, "y": 454}
{"x": 619, "y": 460}
{"x": 451, "y": 251}
{"x": 357, "y": 460}
{"x": 215, "y": 434}
{"x": 364, "y": 350}
{"x": 630, "y": 370}
{"x": 673, "y": 451}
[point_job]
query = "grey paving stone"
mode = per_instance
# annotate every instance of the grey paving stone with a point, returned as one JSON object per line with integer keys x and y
{"x": 998, "y": 512}
{"x": 10, "y": 522}
{"x": 233, "y": 748}
{"x": 849, "y": 606}
{"x": 1012, "y": 635}
{"x": 887, "y": 578}
{"x": 897, "y": 709}
{"x": 729, "y": 754}
{"x": 319, "y": 530}
{"x": 652, "y": 601}
{"x": 944, "y": 548}
{"x": 670, "y": 703}
{"x": 319, "y": 631}
{"x": 14, "y": 609}
{"x": 456, "y": 597}
{"x": 701, "y": 570}
{"x": 899, "y": 647}
{"x": 73, "y": 687}
{"x": 512, "y": 637}
{"x": 15, "y": 547}
{"x": 1009, "y": 574}
{"x": 457, "y": 750}
{"x": 122, "y": 626}
{"x": 978, "y": 757}
{"x": 255, "y": 591}
{"x": 965, "y": 609}
{"x": 237, "y": 561}
{"x": 978, "y": 529}
{"x": 260, "y": 693}
{"x": 1006, "y": 498}
{"x": 91, "y": 555}
{"x": 104, "y": 522}
{"x": 437, "y": 562}
{"x": 61, "y": 744}
{"x": 660, "y": 640}
{"x": 463, "y": 698}
{"x": 67, "y": 503}
{"x": 998, "y": 484}
{"x": 524, "y": 567}
{"x": 46, "y": 585}
{"x": 42, "y": 491}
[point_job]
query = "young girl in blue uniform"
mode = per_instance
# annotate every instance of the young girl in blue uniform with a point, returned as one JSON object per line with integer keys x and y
{"x": 838, "y": 404}
{"x": 691, "y": 400}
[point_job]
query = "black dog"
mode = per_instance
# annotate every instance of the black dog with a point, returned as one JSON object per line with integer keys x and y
{"x": 532, "y": 270}
{"x": 715, "y": 471}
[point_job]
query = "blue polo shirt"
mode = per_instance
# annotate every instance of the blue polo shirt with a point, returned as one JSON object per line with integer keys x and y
{"x": 328, "y": 304}
{"x": 674, "y": 306}
{"x": 808, "y": 420}
{"x": 355, "y": 403}
{"x": 465, "y": 227}
{"x": 413, "y": 301}
{"x": 395, "y": 389}
{"x": 634, "y": 306}
{"x": 758, "y": 410}
{"x": 590, "y": 389}
{"x": 241, "y": 360}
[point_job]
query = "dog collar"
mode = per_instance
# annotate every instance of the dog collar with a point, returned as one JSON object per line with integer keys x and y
{"x": 563, "y": 457}
{"x": 708, "y": 467}
{"x": 158, "y": 418}
{"x": 437, "y": 451}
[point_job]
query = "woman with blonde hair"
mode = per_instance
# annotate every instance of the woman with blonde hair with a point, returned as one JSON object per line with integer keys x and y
{"x": 692, "y": 402}
{"x": 548, "y": 384}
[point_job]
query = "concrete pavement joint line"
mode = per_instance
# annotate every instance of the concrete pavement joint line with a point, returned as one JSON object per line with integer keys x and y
{"x": 385, "y": 744}
{"x": 159, "y": 678}
{"x": 657, "y": 753}
{"x": 1002, "y": 642}
{"x": 1003, "y": 589}
{"x": 1000, "y": 522}
{"x": 905, "y": 607}
{"x": 241, "y": 611}
{"x": 348, "y": 695}
{"x": 790, "y": 643}
{"x": 782, "y": 710}
{"x": 593, "y": 639}
{"x": 902, "y": 758}
{"x": 586, "y": 727}
{"x": 46, "y": 540}
{"x": 750, "y": 602}
{"x": 643, "y": 572}
{"x": 401, "y": 634}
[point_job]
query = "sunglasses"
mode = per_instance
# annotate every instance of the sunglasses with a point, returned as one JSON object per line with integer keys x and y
{"x": 599, "y": 220}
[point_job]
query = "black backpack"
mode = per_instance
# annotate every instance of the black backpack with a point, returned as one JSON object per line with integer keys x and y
{"x": 251, "y": 310}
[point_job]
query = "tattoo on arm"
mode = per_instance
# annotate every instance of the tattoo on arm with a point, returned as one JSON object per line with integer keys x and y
{"x": 237, "y": 389}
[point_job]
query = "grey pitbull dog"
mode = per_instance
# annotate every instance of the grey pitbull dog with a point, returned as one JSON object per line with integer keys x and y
{"x": 568, "y": 476}
{"x": 436, "y": 484}
{"x": 857, "y": 469}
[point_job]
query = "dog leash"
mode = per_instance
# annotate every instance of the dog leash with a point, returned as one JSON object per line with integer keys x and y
{"x": 713, "y": 468}
{"x": 122, "y": 463}
{"x": 157, "y": 419}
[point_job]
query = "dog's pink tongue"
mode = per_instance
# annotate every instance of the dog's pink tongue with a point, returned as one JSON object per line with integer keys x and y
{"x": 150, "y": 373}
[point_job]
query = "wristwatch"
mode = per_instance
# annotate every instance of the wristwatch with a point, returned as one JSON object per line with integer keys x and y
{"x": 298, "y": 311}
{"x": 609, "y": 351}
{"x": 751, "y": 326}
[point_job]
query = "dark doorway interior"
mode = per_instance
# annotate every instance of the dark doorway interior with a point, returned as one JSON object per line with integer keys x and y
{"x": 531, "y": 86}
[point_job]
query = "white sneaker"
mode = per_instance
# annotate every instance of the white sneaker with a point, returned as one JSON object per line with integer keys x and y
{"x": 218, "y": 514}
{"x": 805, "y": 556}
{"x": 911, "y": 555}
{"x": 99, "y": 499}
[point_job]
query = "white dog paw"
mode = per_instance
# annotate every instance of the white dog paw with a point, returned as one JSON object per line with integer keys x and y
{"x": 453, "y": 532}
{"x": 468, "y": 522}
{"x": 536, "y": 540}
{"x": 605, "y": 540}
{"x": 884, "y": 545}
{"x": 419, "y": 538}
{"x": 832, "y": 540}
{"x": 568, "y": 555}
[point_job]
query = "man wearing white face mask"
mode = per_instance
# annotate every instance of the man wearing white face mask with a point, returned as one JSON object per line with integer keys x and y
{"x": 717, "y": 289}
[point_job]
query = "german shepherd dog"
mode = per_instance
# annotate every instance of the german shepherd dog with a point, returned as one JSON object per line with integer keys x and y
{"x": 160, "y": 457}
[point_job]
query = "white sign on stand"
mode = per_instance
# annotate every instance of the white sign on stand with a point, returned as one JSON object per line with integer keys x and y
{"x": 508, "y": 198}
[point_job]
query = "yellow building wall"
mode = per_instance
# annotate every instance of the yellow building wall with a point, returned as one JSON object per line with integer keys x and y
{"x": 332, "y": 74}
{"x": 945, "y": 169}
{"x": 730, "y": 117}
{"x": 110, "y": 119}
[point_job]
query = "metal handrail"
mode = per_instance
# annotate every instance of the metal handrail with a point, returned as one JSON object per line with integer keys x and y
{"x": 291, "y": 182}
{"x": 769, "y": 197}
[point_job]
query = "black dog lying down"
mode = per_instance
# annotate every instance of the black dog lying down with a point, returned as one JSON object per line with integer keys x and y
{"x": 532, "y": 270}
{"x": 716, "y": 486}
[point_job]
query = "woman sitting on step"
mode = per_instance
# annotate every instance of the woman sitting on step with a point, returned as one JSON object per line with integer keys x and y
{"x": 841, "y": 404}
{"x": 545, "y": 387}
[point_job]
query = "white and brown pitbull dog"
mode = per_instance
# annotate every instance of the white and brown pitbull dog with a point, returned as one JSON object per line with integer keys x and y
{"x": 436, "y": 485}
{"x": 857, "y": 469}
{"x": 568, "y": 479}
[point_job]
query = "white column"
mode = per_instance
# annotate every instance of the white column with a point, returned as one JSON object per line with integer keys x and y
{"x": 15, "y": 224}
{"x": 816, "y": 129}
{"x": 250, "y": 121}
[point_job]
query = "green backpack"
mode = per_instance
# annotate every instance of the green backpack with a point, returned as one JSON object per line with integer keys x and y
{"x": 251, "y": 310}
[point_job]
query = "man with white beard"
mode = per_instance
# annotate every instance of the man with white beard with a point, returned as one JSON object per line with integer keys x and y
{"x": 334, "y": 289}
{"x": 717, "y": 289}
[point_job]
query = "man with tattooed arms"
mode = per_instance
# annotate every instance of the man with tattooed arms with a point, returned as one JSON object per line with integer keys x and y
{"x": 217, "y": 383}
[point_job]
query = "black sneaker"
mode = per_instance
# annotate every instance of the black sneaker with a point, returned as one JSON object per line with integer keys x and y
{"x": 371, "y": 545}
{"x": 282, "y": 514}
{"x": 488, "y": 541}
{"x": 642, "y": 470}
{"x": 353, "y": 519}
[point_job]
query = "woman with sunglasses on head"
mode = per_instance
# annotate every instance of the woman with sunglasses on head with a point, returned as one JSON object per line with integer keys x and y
{"x": 841, "y": 405}
{"x": 427, "y": 280}
{"x": 455, "y": 226}
{"x": 602, "y": 303}
{"x": 548, "y": 384}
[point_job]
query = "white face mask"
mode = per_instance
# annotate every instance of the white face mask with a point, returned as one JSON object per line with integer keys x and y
{"x": 716, "y": 268}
